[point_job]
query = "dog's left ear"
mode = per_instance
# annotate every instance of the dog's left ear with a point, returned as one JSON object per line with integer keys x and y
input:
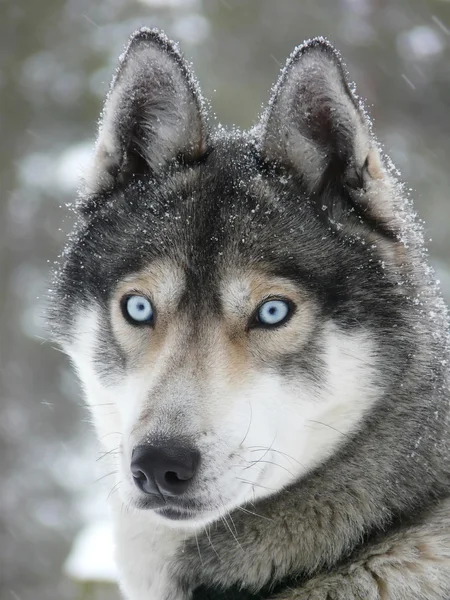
{"x": 152, "y": 114}
{"x": 315, "y": 125}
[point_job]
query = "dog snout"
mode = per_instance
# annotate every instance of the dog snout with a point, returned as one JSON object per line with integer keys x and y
{"x": 164, "y": 470}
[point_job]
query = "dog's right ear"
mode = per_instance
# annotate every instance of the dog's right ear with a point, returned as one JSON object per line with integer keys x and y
{"x": 152, "y": 114}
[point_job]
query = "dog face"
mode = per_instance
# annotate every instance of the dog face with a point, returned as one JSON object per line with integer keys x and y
{"x": 229, "y": 299}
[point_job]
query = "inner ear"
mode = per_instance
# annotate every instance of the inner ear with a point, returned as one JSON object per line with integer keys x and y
{"x": 316, "y": 127}
{"x": 314, "y": 123}
{"x": 152, "y": 114}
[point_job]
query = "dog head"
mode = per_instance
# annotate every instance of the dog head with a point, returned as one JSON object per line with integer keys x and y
{"x": 228, "y": 298}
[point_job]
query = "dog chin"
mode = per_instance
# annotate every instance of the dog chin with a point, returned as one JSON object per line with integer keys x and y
{"x": 186, "y": 519}
{"x": 182, "y": 518}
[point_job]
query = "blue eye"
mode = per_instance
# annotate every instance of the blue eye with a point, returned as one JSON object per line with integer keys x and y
{"x": 138, "y": 309}
{"x": 273, "y": 312}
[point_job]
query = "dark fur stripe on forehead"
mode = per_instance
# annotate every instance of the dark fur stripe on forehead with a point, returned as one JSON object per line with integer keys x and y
{"x": 220, "y": 216}
{"x": 237, "y": 206}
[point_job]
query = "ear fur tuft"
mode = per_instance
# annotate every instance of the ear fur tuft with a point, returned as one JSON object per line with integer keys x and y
{"x": 313, "y": 118}
{"x": 153, "y": 113}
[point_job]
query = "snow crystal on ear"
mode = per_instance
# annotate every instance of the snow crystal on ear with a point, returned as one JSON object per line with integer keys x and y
{"x": 313, "y": 112}
{"x": 153, "y": 109}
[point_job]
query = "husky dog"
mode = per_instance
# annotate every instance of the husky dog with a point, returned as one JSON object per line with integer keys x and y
{"x": 261, "y": 342}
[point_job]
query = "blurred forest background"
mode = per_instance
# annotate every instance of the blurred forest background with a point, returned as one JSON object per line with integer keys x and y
{"x": 56, "y": 61}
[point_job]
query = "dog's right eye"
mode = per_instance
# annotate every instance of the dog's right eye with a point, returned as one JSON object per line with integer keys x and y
{"x": 137, "y": 310}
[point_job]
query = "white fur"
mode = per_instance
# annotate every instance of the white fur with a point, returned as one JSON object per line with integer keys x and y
{"x": 102, "y": 406}
{"x": 294, "y": 426}
{"x": 143, "y": 551}
{"x": 275, "y": 431}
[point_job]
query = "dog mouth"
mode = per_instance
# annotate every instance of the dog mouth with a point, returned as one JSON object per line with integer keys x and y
{"x": 177, "y": 514}
{"x": 171, "y": 511}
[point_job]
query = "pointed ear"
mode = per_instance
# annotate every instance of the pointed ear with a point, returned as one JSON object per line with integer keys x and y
{"x": 152, "y": 114}
{"x": 314, "y": 123}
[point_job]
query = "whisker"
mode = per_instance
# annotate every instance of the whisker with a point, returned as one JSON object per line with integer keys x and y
{"x": 224, "y": 520}
{"x": 113, "y": 489}
{"x": 330, "y": 427}
{"x": 266, "y": 452}
{"x": 233, "y": 523}
{"x": 210, "y": 542}
{"x": 56, "y": 348}
{"x": 261, "y": 448}
{"x": 108, "y": 452}
{"x": 268, "y": 462}
{"x": 253, "y": 483}
{"x": 249, "y": 425}
{"x": 253, "y": 513}
{"x": 198, "y": 548}
{"x": 107, "y": 475}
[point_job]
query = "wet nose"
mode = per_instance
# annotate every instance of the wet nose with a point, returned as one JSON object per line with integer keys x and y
{"x": 166, "y": 470}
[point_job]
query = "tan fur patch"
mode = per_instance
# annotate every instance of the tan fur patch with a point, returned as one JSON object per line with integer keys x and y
{"x": 236, "y": 349}
{"x": 163, "y": 284}
{"x": 243, "y": 293}
{"x": 374, "y": 165}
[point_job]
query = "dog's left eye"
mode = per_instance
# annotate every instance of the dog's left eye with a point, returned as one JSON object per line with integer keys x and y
{"x": 137, "y": 309}
{"x": 273, "y": 312}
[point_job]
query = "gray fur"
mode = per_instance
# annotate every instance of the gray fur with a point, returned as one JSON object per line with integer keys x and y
{"x": 305, "y": 195}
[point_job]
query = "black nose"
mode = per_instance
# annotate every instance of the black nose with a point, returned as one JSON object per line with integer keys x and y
{"x": 166, "y": 470}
